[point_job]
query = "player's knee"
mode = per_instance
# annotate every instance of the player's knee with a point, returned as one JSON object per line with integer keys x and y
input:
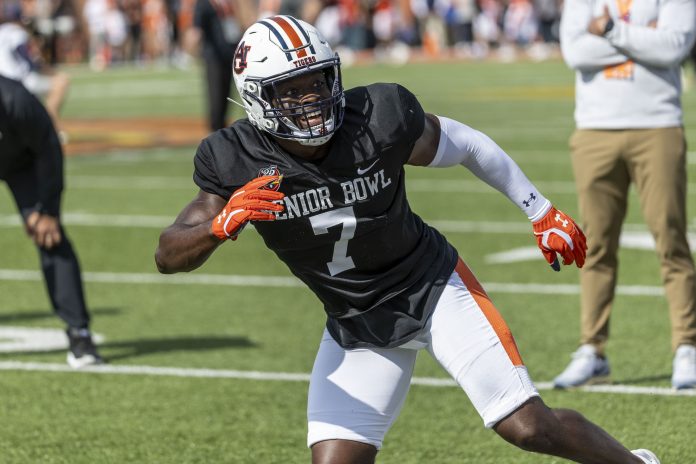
{"x": 349, "y": 460}
{"x": 343, "y": 452}
{"x": 535, "y": 430}
{"x": 538, "y": 436}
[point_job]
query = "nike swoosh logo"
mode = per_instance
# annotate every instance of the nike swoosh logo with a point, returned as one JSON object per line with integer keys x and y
{"x": 363, "y": 171}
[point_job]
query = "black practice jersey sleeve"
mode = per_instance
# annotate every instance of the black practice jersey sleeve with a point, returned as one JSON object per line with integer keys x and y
{"x": 204, "y": 174}
{"x": 347, "y": 230}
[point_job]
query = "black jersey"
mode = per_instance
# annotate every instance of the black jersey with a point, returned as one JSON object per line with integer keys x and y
{"x": 347, "y": 231}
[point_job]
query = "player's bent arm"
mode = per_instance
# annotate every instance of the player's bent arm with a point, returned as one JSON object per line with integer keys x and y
{"x": 189, "y": 242}
{"x": 446, "y": 142}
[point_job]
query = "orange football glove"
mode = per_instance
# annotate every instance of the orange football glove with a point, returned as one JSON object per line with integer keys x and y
{"x": 249, "y": 203}
{"x": 556, "y": 232}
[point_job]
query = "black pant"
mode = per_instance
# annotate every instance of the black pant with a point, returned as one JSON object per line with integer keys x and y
{"x": 60, "y": 267}
{"x": 218, "y": 74}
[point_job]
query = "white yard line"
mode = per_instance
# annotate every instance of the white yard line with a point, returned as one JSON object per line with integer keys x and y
{"x": 80, "y": 182}
{"x": 280, "y": 281}
{"x": 100, "y": 220}
{"x": 296, "y": 377}
{"x": 77, "y": 218}
{"x": 151, "y": 278}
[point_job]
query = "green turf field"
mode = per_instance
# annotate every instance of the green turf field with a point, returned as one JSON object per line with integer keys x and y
{"x": 116, "y": 203}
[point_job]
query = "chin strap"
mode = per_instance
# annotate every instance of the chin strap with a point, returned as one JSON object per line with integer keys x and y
{"x": 314, "y": 142}
{"x": 231, "y": 100}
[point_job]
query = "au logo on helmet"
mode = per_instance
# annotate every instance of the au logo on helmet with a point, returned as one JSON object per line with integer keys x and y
{"x": 240, "y": 58}
{"x": 271, "y": 171}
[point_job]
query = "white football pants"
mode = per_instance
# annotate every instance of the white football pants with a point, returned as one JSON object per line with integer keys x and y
{"x": 357, "y": 394}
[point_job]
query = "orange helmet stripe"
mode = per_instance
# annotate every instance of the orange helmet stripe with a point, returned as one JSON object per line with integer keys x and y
{"x": 292, "y": 35}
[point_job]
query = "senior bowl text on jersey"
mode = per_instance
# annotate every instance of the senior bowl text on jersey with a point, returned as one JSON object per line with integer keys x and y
{"x": 318, "y": 199}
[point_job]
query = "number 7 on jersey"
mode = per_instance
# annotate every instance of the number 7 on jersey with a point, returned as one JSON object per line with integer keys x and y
{"x": 321, "y": 223}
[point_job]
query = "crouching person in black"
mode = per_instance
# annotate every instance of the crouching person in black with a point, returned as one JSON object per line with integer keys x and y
{"x": 31, "y": 162}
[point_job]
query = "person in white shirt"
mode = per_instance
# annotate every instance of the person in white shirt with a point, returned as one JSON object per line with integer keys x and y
{"x": 627, "y": 55}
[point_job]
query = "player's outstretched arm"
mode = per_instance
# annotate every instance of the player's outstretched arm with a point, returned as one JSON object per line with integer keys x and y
{"x": 446, "y": 142}
{"x": 208, "y": 221}
{"x": 187, "y": 244}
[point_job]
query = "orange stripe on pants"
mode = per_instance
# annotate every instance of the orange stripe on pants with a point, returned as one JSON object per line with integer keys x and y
{"x": 494, "y": 318}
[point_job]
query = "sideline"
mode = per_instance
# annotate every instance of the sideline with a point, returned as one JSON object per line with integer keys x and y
{"x": 297, "y": 377}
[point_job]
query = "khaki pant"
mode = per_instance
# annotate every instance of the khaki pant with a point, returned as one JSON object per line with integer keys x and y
{"x": 605, "y": 162}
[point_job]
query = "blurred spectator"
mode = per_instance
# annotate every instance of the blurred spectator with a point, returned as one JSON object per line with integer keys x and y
{"x": 459, "y": 18}
{"x": 430, "y": 15}
{"x": 385, "y": 28}
{"x": 269, "y": 8}
{"x": 520, "y": 22}
{"x": 342, "y": 22}
{"x": 184, "y": 19}
{"x": 53, "y": 20}
{"x": 156, "y": 29}
{"x": 20, "y": 60}
{"x": 548, "y": 13}
{"x": 519, "y": 29}
{"x": 172, "y": 8}
{"x": 217, "y": 28}
{"x": 133, "y": 10}
{"x": 487, "y": 26}
{"x": 326, "y": 17}
{"x": 155, "y": 25}
{"x": 116, "y": 31}
{"x": 353, "y": 23}
{"x": 94, "y": 13}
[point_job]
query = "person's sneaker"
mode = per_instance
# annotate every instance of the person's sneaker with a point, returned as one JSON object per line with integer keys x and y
{"x": 586, "y": 368}
{"x": 82, "y": 351}
{"x": 684, "y": 367}
{"x": 648, "y": 457}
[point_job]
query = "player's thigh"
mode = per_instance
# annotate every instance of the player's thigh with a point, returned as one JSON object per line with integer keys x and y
{"x": 470, "y": 339}
{"x": 356, "y": 394}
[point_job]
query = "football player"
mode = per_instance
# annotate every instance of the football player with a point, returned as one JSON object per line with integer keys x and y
{"x": 320, "y": 173}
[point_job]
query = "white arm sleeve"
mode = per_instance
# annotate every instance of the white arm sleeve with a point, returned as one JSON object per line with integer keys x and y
{"x": 460, "y": 144}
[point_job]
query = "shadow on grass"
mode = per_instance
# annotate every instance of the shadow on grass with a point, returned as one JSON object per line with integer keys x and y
{"x": 133, "y": 348}
{"x": 116, "y": 350}
{"x": 9, "y": 318}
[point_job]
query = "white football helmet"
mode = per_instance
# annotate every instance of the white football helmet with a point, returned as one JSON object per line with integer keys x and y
{"x": 274, "y": 50}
